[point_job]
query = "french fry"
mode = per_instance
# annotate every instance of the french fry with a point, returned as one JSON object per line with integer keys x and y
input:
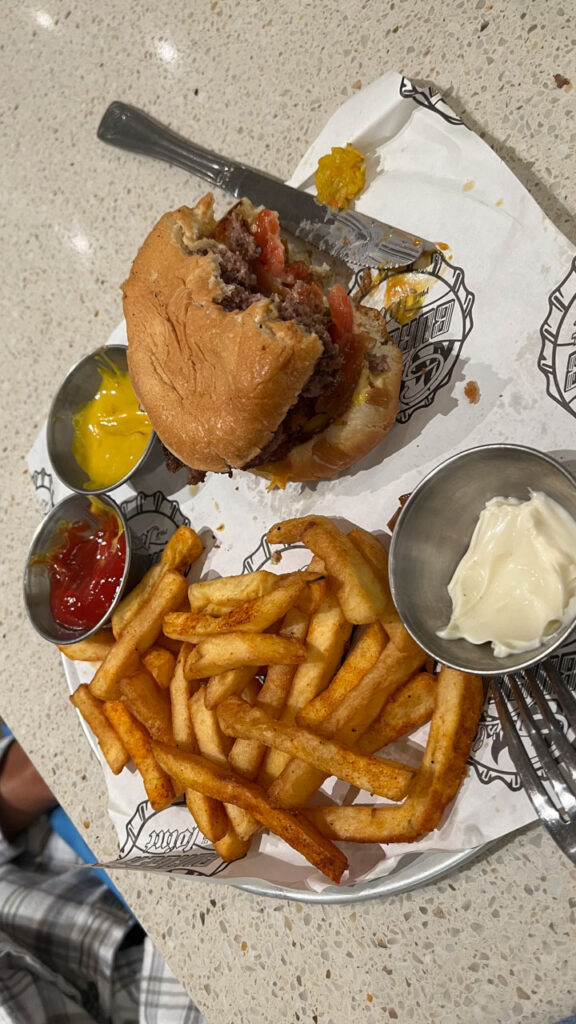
{"x": 360, "y": 660}
{"x": 95, "y": 648}
{"x": 377, "y": 556}
{"x": 133, "y": 735}
{"x": 160, "y": 663}
{"x": 347, "y": 721}
{"x": 182, "y": 728}
{"x": 452, "y": 729}
{"x": 363, "y": 704}
{"x": 410, "y": 707}
{"x": 231, "y": 847}
{"x": 138, "y": 636}
{"x": 169, "y": 644}
{"x": 209, "y": 815}
{"x": 109, "y": 742}
{"x": 384, "y": 777}
{"x": 217, "y": 654}
{"x": 198, "y": 773}
{"x": 183, "y": 548}
{"x": 226, "y": 684}
{"x": 149, "y": 704}
{"x": 225, "y": 593}
{"x": 131, "y": 604}
{"x": 290, "y": 531}
{"x": 327, "y": 637}
{"x": 362, "y": 598}
{"x": 212, "y": 742}
{"x": 246, "y": 755}
{"x": 254, "y": 616}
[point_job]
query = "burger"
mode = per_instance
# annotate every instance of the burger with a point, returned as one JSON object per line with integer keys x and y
{"x": 246, "y": 358}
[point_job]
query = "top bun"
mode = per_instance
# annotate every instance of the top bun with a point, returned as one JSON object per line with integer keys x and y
{"x": 215, "y": 384}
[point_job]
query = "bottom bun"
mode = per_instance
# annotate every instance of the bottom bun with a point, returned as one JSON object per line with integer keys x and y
{"x": 365, "y": 423}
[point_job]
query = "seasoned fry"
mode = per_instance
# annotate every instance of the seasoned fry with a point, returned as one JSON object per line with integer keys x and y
{"x": 376, "y": 775}
{"x": 160, "y": 663}
{"x": 169, "y": 644}
{"x": 452, "y": 730}
{"x": 347, "y": 721}
{"x": 226, "y": 684}
{"x": 131, "y": 604}
{"x": 225, "y": 593}
{"x": 377, "y": 556}
{"x": 326, "y": 639}
{"x": 139, "y": 745}
{"x": 361, "y": 706}
{"x": 196, "y": 772}
{"x": 217, "y": 654}
{"x": 231, "y": 847}
{"x": 212, "y": 742}
{"x": 360, "y": 660}
{"x": 246, "y": 755}
{"x": 254, "y": 616}
{"x": 149, "y": 704}
{"x": 183, "y": 548}
{"x": 290, "y": 531}
{"x": 209, "y": 815}
{"x": 138, "y": 636}
{"x": 410, "y": 707}
{"x": 182, "y": 728}
{"x": 92, "y": 711}
{"x": 362, "y": 598}
{"x": 95, "y": 648}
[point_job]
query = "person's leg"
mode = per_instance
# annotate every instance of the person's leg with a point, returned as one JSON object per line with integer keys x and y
{"x": 24, "y": 796}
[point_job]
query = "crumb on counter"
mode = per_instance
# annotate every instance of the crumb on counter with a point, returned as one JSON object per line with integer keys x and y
{"x": 561, "y": 81}
{"x": 221, "y": 527}
{"x": 472, "y": 392}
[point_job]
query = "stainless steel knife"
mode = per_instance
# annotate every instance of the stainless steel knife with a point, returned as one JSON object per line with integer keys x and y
{"x": 353, "y": 237}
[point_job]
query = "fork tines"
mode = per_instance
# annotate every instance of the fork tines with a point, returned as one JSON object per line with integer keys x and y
{"x": 541, "y": 702}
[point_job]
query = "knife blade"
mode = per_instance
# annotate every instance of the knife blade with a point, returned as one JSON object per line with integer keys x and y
{"x": 353, "y": 237}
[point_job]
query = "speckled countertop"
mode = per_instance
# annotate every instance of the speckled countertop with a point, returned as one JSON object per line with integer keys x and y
{"x": 494, "y": 942}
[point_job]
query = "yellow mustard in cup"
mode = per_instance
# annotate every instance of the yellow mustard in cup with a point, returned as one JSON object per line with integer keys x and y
{"x": 111, "y": 431}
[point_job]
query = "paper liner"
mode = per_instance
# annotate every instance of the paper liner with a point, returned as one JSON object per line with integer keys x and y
{"x": 498, "y": 310}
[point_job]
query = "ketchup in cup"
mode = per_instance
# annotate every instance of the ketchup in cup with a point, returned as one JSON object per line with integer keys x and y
{"x": 85, "y": 567}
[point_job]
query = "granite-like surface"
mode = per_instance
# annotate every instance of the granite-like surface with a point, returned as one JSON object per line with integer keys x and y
{"x": 495, "y": 942}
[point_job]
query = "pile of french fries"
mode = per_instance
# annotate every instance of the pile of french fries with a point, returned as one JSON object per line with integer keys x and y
{"x": 244, "y": 694}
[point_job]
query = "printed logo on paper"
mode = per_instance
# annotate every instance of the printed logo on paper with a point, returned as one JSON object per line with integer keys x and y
{"x": 429, "y": 316}
{"x": 152, "y": 519}
{"x": 430, "y": 100}
{"x": 43, "y": 482}
{"x": 489, "y": 758}
{"x": 151, "y": 846}
{"x": 557, "y": 359}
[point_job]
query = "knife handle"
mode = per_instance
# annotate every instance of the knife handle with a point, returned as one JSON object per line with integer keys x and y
{"x": 128, "y": 128}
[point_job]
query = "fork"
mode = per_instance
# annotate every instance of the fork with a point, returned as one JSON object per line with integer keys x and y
{"x": 554, "y": 795}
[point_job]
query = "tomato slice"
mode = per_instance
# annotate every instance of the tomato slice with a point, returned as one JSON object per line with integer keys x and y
{"x": 266, "y": 231}
{"x": 340, "y": 310}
